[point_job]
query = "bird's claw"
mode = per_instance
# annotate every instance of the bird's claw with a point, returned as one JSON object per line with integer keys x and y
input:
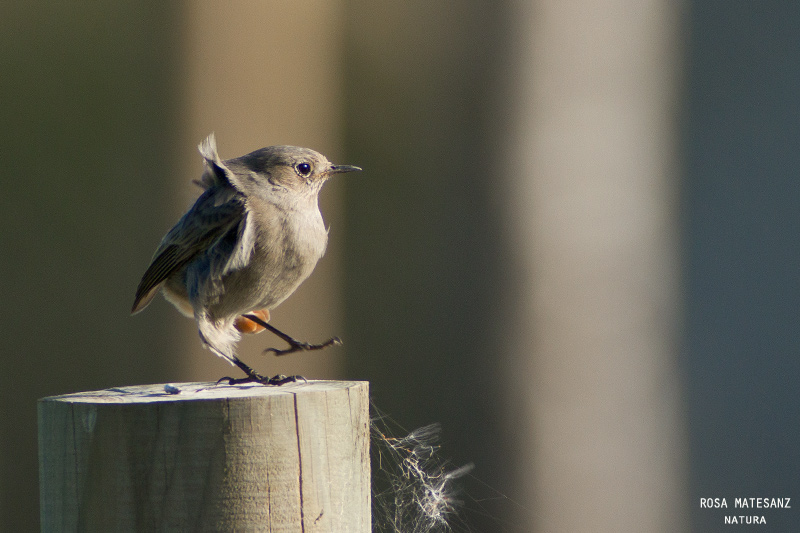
{"x": 280, "y": 379}
{"x": 297, "y": 346}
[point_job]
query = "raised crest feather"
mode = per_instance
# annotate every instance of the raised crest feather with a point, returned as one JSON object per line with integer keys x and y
{"x": 208, "y": 148}
{"x": 216, "y": 172}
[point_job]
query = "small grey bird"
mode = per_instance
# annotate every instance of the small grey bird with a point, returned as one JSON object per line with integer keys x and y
{"x": 247, "y": 243}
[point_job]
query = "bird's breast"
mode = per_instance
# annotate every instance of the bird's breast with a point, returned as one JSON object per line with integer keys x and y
{"x": 287, "y": 247}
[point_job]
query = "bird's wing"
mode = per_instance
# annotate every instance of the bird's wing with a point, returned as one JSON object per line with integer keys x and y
{"x": 218, "y": 215}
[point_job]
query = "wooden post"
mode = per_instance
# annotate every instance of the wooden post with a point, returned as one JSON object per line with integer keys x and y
{"x": 207, "y": 458}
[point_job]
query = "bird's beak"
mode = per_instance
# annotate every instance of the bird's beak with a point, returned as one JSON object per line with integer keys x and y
{"x": 341, "y": 169}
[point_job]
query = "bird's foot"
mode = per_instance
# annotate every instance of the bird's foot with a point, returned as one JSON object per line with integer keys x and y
{"x": 297, "y": 346}
{"x": 255, "y": 377}
{"x": 280, "y": 379}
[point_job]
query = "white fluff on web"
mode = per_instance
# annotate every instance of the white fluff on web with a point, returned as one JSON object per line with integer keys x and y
{"x": 418, "y": 493}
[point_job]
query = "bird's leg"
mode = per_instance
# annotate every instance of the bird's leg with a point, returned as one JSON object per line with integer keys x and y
{"x": 294, "y": 344}
{"x": 255, "y": 377}
{"x": 245, "y": 325}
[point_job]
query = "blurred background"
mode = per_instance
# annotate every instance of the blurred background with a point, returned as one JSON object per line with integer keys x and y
{"x": 574, "y": 243}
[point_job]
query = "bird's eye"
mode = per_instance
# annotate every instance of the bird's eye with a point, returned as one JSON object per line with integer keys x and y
{"x": 304, "y": 169}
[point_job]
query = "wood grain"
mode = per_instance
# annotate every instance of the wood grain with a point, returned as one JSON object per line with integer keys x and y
{"x": 208, "y": 458}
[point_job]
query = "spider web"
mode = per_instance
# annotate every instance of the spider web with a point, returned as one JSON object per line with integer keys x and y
{"x": 414, "y": 489}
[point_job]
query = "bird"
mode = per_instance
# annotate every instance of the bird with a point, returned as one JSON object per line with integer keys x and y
{"x": 251, "y": 238}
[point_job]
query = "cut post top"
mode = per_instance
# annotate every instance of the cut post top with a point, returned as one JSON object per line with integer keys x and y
{"x": 192, "y": 391}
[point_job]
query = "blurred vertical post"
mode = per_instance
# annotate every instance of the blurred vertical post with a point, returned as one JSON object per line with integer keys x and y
{"x": 260, "y": 74}
{"x": 88, "y": 124}
{"x": 590, "y": 182}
